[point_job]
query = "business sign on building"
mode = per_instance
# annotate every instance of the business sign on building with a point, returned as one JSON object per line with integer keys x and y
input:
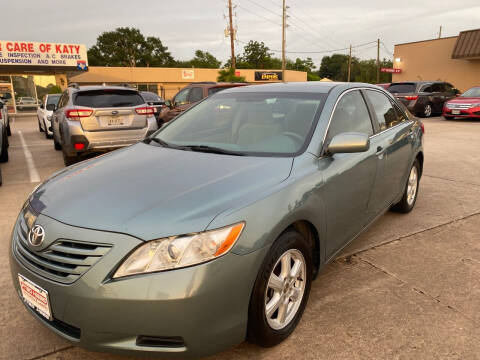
{"x": 26, "y": 53}
{"x": 268, "y": 75}
{"x": 391, "y": 70}
{"x": 188, "y": 74}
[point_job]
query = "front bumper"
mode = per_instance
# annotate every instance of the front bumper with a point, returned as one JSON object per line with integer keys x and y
{"x": 465, "y": 113}
{"x": 205, "y": 306}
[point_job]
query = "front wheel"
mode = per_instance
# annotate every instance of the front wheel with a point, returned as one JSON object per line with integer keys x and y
{"x": 281, "y": 290}
{"x": 4, "y": 150}
{"x": 427, "y": 111}
{"x": 410, "y": 193}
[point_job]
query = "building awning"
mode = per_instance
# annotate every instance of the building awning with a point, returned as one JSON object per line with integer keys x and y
{"x": 467, "y": 45}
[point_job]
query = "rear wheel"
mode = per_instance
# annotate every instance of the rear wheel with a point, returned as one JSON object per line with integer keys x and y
{"x": 410, "y": 193}
{"x": 281, "y": 290}
{"x": 9, "y": 131}
{"x": 46, "y": 130}
{"x": 4, "y": 153}
{"x": 56, "y": 144}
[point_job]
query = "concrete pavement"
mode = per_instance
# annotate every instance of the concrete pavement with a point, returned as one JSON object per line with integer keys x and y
{"x": 406, "y": 289}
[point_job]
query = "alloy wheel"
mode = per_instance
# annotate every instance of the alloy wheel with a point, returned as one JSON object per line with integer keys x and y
{"x": 412, "y": 185}
{"x": 285, "y": 289}
{"x": 428, "y": 110}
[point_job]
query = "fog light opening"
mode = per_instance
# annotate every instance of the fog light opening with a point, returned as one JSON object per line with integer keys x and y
{"x": 160, "y": 341}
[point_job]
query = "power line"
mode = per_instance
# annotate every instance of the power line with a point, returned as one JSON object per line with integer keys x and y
{"x": 386, "y": 49}
{"x": 318, "y": 52}
{"x": 265, "y": 8}
{"x": 260, "y": 16}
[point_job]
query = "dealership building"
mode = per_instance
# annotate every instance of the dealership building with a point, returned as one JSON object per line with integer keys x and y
{"x": 454, "y": 59}
{"x": 30, "y": 70}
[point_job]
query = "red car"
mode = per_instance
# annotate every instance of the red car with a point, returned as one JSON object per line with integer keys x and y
{"x": 466, "y": 105}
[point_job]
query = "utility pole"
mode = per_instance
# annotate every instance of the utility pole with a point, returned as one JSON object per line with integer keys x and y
{"x": 440, "y": 32}
{"x": 349, "y": 63}
{"x": 284, "y": 24}
{"x": 232, "y": 34}
{"x": 378, "y": 61}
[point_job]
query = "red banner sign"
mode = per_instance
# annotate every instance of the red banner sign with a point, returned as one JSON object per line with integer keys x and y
{"x": 391, "y": 70}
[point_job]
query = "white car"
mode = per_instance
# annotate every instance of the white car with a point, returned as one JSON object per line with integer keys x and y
{"x": 44, "y": 113}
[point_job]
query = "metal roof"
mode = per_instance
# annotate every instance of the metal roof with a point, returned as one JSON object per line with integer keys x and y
{"x": 467, "y": 45}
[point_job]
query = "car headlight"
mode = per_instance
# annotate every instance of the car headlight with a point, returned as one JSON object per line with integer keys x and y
{"x": 180, "y": 251}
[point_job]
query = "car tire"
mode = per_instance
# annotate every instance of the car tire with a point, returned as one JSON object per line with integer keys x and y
{"x": 409, "y": 197}
{"x": 39, "y": 125}
{"x": 268, "y": 329}
{"x": 9, "y": 130}
{"x": 1, "y": 180}
{"x": 426, "y": 111}
{"x": 449, "y": 117}
{"x": 69, "y": 160}
{"x": 56, "y": 144}
{"x": 4, "y": 153}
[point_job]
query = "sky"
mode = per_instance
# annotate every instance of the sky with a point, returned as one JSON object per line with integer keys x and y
{"x": 183, "y": 26}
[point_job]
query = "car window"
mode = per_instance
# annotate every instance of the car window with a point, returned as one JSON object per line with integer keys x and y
{"x": 196, "y": 94}
{"x": 182, "y": 96}
{"x": 214, "y": 90}
{"x": 449, "y": 88}
{"x": 63, "y": 99}
{"x": 150, "y": 97}
{"x": 473, "y": 92}
{"x": 385, "y": 112}
{"x": 427, "y": 89}
{"x": 402, "y": 88}
{"x": 438, "y": 87}
{"x": 350, "y": 115}
{"x": 254, "y": 123}
{"x": 107, "y": 98}
{"x": 52, "y": 99}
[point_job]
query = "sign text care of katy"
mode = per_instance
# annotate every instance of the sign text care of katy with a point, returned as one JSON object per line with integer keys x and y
{"x": 41, "y": 54}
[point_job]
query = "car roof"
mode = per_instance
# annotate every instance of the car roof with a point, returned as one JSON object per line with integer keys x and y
{"x": 298, "y": 87}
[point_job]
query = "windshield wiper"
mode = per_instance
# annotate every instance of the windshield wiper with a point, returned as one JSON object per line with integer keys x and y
{"x": 212, "y": 149}
{"x": 164, "y": 143}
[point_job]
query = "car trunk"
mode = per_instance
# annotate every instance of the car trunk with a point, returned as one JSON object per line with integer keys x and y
{"x": 114, "y": 119}
{"x": 405, "y": 92}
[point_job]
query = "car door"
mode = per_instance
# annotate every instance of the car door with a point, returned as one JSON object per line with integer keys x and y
{"x": 348, "y": 178}
{"x": 196, "y": 94}
{"x": 394, "y": 141}
{"x": 438, "y": 97}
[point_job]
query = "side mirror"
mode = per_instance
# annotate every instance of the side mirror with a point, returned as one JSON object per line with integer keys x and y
{"x": 51, "y": 107}
{"x": 349, "y": 143}
{"x": 168, "y": 103}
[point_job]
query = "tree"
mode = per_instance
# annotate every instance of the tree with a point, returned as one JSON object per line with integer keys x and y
{"x": 334, "y": 67}
{"x": 128, "y": 47}
{"x": 255, "y": 55}
{"x": 228, "y": 75}
{"x": 203, "y": 59}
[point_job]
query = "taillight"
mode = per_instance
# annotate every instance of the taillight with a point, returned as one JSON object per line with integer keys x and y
{"x": 76, "y": 114}
{"x": 411, "y": 97}
{"x": 423, "y": 127}
{"x": 147, "y": 110}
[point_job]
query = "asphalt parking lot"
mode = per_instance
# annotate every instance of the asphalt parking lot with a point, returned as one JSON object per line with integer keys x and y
{"x": 406, "y": 289}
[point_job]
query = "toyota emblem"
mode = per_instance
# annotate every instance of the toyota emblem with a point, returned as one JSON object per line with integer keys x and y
{"x": 36, "y": 235}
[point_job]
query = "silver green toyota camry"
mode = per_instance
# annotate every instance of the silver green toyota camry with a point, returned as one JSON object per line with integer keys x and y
{"x": 211, "y": 230}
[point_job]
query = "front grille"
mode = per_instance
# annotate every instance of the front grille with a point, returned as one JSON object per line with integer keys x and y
{"x": 63, "y": 261}
{"x": 459, "y": 106}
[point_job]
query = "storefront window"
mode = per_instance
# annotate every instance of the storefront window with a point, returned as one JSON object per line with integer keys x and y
{"x": 25, "y": 93}
{"x": 148, "y": 87}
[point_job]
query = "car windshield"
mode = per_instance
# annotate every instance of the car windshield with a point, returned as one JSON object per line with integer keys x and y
{"x": 473, "y": 92}
{"x": 250, "y": 123}
{"x": 402, "y": 88}
{"x": 107, "y": 98}
{"x": 53, "y": 99}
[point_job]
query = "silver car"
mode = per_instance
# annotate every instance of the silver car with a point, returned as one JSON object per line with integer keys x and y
{"x": 91, "y": 119}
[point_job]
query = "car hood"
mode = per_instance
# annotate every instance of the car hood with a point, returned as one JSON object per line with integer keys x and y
{"x": 152, "y": 192}
{"x": 464, "y": 100}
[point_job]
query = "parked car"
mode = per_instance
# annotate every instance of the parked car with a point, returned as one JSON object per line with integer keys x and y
{"x": 91, "y": 119}
{"x": 156, "y": 102}
{"x": 384, "y": 86}
{"x": 4, "y": 117}
{"x": 466, "y": 105}
{"x": 26, "y": 103}
{"x": 190, "y": 95}
{"x": 45, "y": 112}
{"x": 261, "y": 187}
{"x": 423, "y": 98}
{"x": 3, "y": 144}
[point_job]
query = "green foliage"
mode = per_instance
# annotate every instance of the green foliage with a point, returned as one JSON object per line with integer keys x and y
{"x": 128, "y": 47}
{"x": 203, "y": 59}
{"x": 228, "y": 75}
{"x": 54, "y": 89}
{"x": 335, "y": 67}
